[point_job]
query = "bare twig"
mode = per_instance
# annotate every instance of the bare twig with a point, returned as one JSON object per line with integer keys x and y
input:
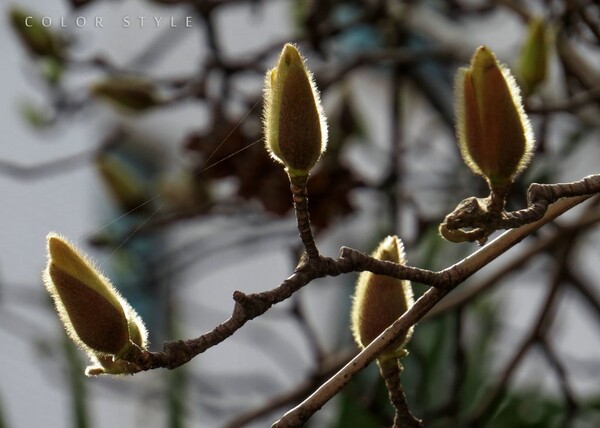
{"x": 299, "y": 314}
{"x": 561, "y": 373}
{"x": 588, "y": 292}
{"x": 452, "y": 407}
{"x": 248, "y": 307}
{"x": 463, "y": 297}
{"x": 479, "y": 216}
{"x": 449, "y": 44}
{"x": 577, "y": 101}
{"x": 391, "y": 370}
{"x": 450, "y": 277}
{"x": 300, "y": 196}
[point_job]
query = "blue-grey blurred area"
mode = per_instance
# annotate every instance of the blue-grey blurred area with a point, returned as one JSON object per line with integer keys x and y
{"x": 130, "y": 167}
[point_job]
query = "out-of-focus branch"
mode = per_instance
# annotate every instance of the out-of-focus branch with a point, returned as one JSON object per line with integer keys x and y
{"x": 299, "y": 313}
{"x": 328, "y": 367}
{"x": 561, "y": 373}
{"x": 46, "y": 169}
{"x": 538, "y": 332}
{"x": 586, "y": 291}
{"x": 571, "y": 104}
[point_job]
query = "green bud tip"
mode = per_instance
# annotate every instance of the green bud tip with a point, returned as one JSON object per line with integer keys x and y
{"x": 294, "y": 124}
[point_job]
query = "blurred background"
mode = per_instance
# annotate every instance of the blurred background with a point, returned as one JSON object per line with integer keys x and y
{"x": 133, "y": 128}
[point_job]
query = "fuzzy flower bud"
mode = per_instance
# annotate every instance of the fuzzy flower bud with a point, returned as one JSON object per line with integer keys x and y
{"x": 40, "y": 41}
{"x": 93, "y": 313}
{"x": 129, "y": 93}
{"x": 295, "y": 126}
{"x": 123, "y": 180}
{"x": 380, "y": 300}
{"x": 533, "y": 62}
{"x": 493, "y": 130}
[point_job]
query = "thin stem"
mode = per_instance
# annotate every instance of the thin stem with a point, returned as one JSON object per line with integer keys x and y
{"x": 397, "y": 191}
{"x": 299, "y": 313}
{"x": 452, "y": 407}
{"x": 391, "y": 370}
{"x": 300, "y": 196}
{"x": 571, "y": 104}
{"x": 562, "y": 375}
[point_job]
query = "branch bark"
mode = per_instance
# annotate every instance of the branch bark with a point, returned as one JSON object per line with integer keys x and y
{"x": 250, "y": 306}
{"x": 452, "y": 277}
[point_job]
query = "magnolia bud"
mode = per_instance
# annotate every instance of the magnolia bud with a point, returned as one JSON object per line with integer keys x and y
{"x": 380, "y": 300}
{"x": 93, "y": 313}
{"x": 493, "y": 130}
{"x": 125, "y": 183}
{"x": 295, "y": 126}
{"x": 130, "y": 93}
{"x": 37, "y": 39}
{"x": 533, "y": 62}
{"x": 106, "y": 364}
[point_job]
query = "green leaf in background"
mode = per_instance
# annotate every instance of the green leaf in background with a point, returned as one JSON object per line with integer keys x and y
{"x": 78, "y": 388}
{"x": 2, "y": 418}
{"x": 353, "y": 415}
{"x": 529, "y": 408}
{"x": 36, "y": 116}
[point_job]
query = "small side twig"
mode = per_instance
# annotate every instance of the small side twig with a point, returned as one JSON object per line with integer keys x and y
{"x": 46, "y": 169}
{"x": 482, "y": 219}
{"x": 451, "y": 407}
{"x": 299, "y": 313}
{"x": 577, "y": 101}
{"x": 463, "y": 297}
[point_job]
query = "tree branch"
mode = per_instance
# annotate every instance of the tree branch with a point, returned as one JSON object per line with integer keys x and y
{"x": 463, "y": 297}
{"x": 477, "y": 214}
{"x": 390, "y": 370}
{"x": 452, "y": 276}
{"x": 250, "y": 306}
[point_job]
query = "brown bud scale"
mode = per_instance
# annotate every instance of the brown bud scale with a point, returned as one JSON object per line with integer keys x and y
{"x": 105, "y": 328}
